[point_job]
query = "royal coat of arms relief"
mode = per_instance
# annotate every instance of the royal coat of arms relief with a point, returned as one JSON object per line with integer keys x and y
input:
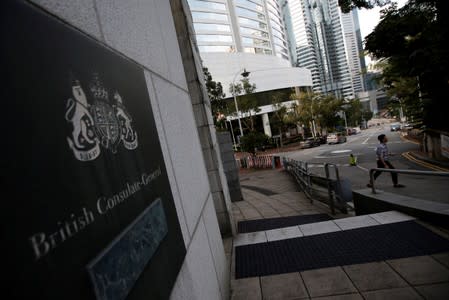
{"x": 98, "y": 121}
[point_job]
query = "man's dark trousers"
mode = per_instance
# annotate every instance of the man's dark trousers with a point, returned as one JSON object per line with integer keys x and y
{"x": 394, "y": 176}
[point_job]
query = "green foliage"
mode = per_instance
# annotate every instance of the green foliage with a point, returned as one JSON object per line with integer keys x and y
{"x": 321, "y": 108}
{"x": 412, "y": 43}
{"x": 279, "y": 119}
{"x": 353, "y": 110}
{"x": 216, "y": 97}
{"x": 247, "y": 103}
{"x": 367, "y": 115}
{"x": 347, "y": 5}
{"x": 253, "y": 140}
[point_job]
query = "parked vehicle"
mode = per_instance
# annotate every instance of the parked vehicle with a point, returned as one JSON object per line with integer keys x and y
{"x": 336, "y": 138}
{"x": 310, "y": 142}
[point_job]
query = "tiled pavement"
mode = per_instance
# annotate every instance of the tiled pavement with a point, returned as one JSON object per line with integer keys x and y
{"x": 423, "y": 277}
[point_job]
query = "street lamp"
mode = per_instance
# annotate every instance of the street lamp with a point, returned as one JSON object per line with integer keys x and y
{"x": 244, "y": 74}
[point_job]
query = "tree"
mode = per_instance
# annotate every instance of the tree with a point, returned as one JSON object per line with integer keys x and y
{"x": 353, "y": 111}
{"x": 253, "y": 140}
{"x": 247, "y": 103}
{"x": 279, "y": 119}
{"x": 216, "y": 96}
{"x": 318, "y": 108}
{"x": 413, "y": 41}
{"x": 327, "y": 109}
{"x": 348, "y": 5}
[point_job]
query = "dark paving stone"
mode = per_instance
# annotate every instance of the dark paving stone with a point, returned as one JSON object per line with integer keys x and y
{"x": 438, "y": 291}
{"x": 327, "y": 282}
{"x": 356, "y": 246}
{"x": 374, "y": 276}
{"x": 442, "y": 258}
{"x": 407, "y": 293}
{"x": 420, "y": 270}
{"x": 273, "y": 223}
{"x": 341, "y": 297}
{"x": 274, "y": 287}
{"x": 263, "y": 191}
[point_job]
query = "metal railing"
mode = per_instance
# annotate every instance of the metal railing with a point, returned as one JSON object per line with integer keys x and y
{"x": 400, "y": 171}
{"x": 317, "y": 187}
{"x": 330, "y": 189}
{"x": 300, "y": 170}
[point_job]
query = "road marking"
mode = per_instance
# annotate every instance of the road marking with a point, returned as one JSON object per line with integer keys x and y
{"x": 362, "y": 168}
{"x": 340, "y": 151}
{"x": 408, "y": 156}
{"x": 366, "y": 141}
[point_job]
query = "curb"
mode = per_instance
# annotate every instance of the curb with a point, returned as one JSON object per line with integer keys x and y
{"x": 430, "y": 164}
{"x": 406, "y": 139}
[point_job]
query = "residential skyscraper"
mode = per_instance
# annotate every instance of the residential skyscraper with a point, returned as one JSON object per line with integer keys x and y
{"x": 317, "y": 29}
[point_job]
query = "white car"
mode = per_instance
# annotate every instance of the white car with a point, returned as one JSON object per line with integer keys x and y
{"x": 335, "y": 138}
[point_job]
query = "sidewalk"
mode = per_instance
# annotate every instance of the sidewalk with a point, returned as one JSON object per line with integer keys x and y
{"x": 274, "y": 194}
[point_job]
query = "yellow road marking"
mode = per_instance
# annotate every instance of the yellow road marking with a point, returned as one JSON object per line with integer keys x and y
{"x": 408, "y": 156}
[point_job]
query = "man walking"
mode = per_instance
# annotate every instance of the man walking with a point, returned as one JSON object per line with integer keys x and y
{"x": 383, "y": 154}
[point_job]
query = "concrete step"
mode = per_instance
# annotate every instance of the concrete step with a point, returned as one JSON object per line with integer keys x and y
{"x": 435, "y": 213}
{"x": 320, "y": 227}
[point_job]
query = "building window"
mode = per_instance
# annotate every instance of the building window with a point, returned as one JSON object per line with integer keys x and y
{"x": 250, "y": 5}
{"x": 195, "y": 4}
{"x": 253, "y": 32}
{"x": 211, "y": 27}
{"x": 249, "y": 13}
{"x": 216, "y": 48}
{"x": 252, "y": 23}
{"x": 255, "y": 42}
{"x": 256, "y": 50}
{"x": 213, "y": 38}
{"x": 209, "y": 16}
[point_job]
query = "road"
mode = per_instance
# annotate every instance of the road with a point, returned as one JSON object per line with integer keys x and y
{"x": 363, "y": 146}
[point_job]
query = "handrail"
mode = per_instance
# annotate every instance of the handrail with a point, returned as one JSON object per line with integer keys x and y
{"x": 401, "y": 171}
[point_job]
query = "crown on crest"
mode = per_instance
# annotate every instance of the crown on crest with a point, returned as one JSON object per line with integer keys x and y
{"x": 97, "y": 89}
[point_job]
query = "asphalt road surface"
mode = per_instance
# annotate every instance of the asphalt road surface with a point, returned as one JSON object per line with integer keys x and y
{"x": 363, "y": 146}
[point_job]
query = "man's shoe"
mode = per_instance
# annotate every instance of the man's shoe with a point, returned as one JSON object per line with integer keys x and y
{"x": 399, "y": 185}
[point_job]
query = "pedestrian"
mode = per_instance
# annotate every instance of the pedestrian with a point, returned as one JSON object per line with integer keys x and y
{"x": 383, "y": 161}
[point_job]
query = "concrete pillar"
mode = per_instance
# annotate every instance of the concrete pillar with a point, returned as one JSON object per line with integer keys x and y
{"x": 266, "y": 125}
{"x": 203, "y": 116}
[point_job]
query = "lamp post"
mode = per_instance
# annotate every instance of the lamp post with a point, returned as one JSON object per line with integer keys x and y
{"x": 232, "y": 133}
{"x": 244, "y": 74}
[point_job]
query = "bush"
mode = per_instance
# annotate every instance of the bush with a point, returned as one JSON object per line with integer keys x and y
{"x": 253, "y": 140}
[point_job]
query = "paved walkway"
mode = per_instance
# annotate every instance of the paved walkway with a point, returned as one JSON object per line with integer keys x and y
{"x": 273, "y": 193}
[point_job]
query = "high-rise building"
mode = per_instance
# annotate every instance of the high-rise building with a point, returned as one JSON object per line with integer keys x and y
{"x": 233, "y": 35}
{"x": 354, "y": 47}
{"x": 319, "y": 36}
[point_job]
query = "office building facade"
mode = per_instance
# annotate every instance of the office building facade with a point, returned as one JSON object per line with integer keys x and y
{"x": 319, "y": 37}
{"x": 233, "y": 35}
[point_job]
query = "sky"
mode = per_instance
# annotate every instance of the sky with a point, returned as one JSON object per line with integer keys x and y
{"x": 369, "y": 18}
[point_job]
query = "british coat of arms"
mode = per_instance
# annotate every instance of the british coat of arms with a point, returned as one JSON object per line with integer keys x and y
{"x": 98, "y": 121}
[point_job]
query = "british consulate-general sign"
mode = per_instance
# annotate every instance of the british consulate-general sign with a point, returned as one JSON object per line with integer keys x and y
{"x": 90, "y": 213}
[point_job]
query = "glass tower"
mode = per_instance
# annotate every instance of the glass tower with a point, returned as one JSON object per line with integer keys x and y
{"x": 319, "y": 37}
{"x": 353, "y": 39}
{"x": 249, "y": 26}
